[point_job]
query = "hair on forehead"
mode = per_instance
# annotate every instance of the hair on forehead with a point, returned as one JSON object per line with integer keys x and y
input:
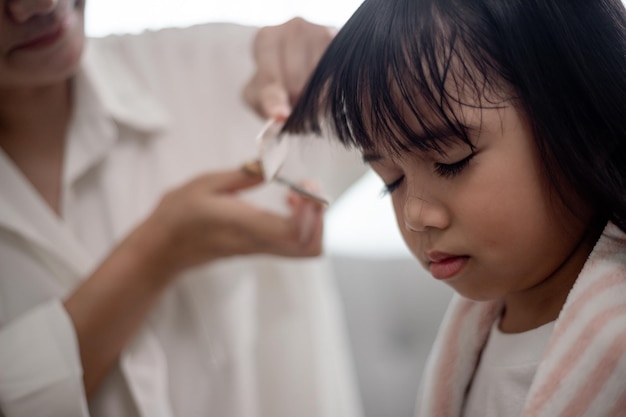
{"x": 397, "y": 77}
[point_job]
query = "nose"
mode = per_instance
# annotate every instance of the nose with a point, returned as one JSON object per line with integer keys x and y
{"x": 421, "y": 214}
{"x": 21, "y": 11}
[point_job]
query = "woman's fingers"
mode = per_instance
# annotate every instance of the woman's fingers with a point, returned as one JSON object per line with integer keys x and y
{"x": 285, "y": 56}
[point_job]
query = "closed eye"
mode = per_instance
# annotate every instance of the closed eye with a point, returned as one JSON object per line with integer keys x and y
{"x": 391, "y": 187}
{"x": 454, "y": 169}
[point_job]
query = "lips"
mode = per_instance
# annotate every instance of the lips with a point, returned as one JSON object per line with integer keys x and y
{"x": 445, "y": 266}
{"x": 43, "y": 40}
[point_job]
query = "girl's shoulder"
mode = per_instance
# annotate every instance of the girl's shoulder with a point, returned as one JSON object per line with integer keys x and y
{"x": 609, "y": 253}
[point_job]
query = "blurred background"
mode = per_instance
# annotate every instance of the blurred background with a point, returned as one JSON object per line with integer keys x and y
{"x": 131, "y": 16}
{"x": 392, "y": 306}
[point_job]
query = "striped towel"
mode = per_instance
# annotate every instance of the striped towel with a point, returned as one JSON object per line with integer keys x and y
{"x": 583, "y": 371}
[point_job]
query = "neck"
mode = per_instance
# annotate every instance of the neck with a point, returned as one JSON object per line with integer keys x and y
{"x": 542, "y": 304}
{"x": 33, "y": 126}
{"x": 537, "y": 306}
{"x": 29, "y": 114}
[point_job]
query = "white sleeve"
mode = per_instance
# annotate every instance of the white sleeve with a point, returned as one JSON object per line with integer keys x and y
{"x": 40, "y": 368}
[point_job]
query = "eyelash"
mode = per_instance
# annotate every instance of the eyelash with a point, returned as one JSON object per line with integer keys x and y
{"x": 443, "y": 170}
{"x": 454, "y": 169}
{"x": 391, "y": 187}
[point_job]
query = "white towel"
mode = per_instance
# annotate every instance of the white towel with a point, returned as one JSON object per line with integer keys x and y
{"x": 583, "y": 371}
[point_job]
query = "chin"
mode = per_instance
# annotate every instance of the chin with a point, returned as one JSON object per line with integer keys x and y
{"x": 57, "y": 67}
{"x": 62, "y": 69}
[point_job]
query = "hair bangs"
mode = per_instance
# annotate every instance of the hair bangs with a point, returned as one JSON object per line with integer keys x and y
{"x": 391, "y": 81}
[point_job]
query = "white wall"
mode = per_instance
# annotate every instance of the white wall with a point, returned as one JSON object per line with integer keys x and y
{"x": 114, "y": 16}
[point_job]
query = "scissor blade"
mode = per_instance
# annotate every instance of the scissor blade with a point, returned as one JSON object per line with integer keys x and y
{"x": 302, "y": 191}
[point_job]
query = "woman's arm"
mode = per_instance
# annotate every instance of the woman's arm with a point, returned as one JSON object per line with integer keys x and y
{"x": 198, "y": 222}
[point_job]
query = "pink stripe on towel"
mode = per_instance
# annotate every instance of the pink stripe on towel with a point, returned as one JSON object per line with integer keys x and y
{"x": 565, "y": 365}
{"x": 585, "y": 396}
{"x": 619, "y": 409}
{"x": 445, "y": 372}
{"x": 596, "y": 289}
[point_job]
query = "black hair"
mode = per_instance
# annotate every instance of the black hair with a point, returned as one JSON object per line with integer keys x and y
{"x": 562, "y": 62}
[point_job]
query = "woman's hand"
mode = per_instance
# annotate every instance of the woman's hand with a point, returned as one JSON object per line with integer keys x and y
{"x": 204, "y": 220}
{"x": 285, "y": 56}
{"x": 199, "y": 221}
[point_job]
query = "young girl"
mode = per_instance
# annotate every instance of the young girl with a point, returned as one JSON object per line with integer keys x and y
{"x": 499, "y": 131}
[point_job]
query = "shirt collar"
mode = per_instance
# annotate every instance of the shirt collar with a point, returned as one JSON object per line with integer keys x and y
{"x": 121, "y": 93}
{"x": 107, "y": 97}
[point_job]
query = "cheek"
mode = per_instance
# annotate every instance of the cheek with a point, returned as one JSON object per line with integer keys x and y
{"x": 506, "y": 199}
{"x": 515, "y": 224}
{"x": 74, "y": 52}
{"x": 70, "y": 56}
{"x": 510, "y": 217}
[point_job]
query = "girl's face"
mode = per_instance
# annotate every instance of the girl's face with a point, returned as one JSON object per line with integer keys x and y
{"x": 485, "y": 221}
{"x": 40, "y": 41}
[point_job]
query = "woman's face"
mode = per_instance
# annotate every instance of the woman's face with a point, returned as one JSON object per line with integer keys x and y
{"x": 41, "y": 41}
{"x": 485, "y": 221}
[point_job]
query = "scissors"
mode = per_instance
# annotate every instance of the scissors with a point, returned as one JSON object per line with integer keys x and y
{"x": 273, "y": 152}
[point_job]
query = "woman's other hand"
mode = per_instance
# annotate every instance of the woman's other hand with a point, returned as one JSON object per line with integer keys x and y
{"x": 285, "y": 56}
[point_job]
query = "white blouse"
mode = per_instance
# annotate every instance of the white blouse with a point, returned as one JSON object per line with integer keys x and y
{"x": 256, "y": 336}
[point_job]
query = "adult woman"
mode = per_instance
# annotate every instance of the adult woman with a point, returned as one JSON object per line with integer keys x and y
{"x": 102, "y": 310}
